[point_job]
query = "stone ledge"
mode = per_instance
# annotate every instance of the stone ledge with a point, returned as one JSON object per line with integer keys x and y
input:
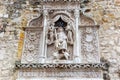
{"x": 82, "y": 26}
{"x": 85, "y": 1}
{"x": 103, "y": 66}
{"x": 47, "y": 1}
{"x": 61, "y": 79}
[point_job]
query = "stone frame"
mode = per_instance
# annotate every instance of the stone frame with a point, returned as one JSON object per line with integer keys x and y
{"x": 79, "y": 20}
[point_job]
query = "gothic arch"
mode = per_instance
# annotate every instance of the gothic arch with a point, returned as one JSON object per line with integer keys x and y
{"x": 86, "y": 20}
{"x": 64, "y": 17}
{"x": 62, "y": 12}
{"x": 36, "y": 22}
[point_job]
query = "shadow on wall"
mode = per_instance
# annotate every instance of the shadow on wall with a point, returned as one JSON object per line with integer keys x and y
{"x": 106, "y": 71}
{"x": 2, "y": 27}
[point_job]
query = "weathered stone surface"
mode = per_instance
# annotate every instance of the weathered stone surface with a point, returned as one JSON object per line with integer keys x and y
{"x": 105, "y": 12}
{"x": 117, "y": 2}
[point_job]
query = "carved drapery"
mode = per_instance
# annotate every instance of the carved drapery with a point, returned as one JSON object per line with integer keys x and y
{"x": 64, "y": 18}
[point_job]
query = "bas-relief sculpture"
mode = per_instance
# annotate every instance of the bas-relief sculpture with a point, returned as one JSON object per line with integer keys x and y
{"x": 61, "y": 36}
{"x": 89, "y": 44}
{"x": 31, "y": 45}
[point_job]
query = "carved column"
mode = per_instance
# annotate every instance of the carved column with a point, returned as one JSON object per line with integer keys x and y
{"x": 77, "y": 45}
{"x": 43, "y": 55}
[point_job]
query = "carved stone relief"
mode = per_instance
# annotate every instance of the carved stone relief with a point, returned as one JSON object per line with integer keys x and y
{"x": 55, "y": 37}
{"x": 37, "y": 22}
{"x": 60, "y": 37}
{"x": 64, "y": 5}
{"x": 86, "y": 20}
{"x": 89, "y": 44}
{"x": 32, "y": 44}
{"x": 60, "y": 73}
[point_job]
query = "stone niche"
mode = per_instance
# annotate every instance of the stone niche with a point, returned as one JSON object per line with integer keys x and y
{"x": 62, "y": 35}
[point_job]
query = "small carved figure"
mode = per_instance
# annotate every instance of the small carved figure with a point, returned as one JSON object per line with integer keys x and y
{"x": 51, "y": 33}
{"x": 66, "y": 54}
{"x": 58, "y": 36}
{"x": 88, "y": 30}
{"x": 61, "y": 55}
{"x": 61, "y": 39}
{"x": 69, "y": 33}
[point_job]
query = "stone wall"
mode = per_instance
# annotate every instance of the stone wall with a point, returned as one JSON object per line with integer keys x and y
{"x": 109, "y": 34}
{"x": 105, "y": 12}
